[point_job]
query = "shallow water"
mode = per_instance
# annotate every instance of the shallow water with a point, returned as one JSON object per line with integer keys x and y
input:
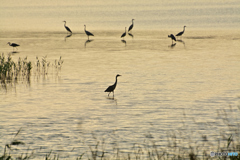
{"x": 164, "y": 89}
{"x": 160, "y": 84}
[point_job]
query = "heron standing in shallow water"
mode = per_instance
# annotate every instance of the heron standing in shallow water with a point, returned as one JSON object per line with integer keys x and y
{"x": 13, "y": 44}
{"x": 131, "y": 27}
{"x": 87, "y": 32}
{"x": 112, "y": 87}
{"x": 124, "y": 34}
{"x": 67, "y": 28}
{"x": 181, "y": 33}
{"x": 172, "y": 37}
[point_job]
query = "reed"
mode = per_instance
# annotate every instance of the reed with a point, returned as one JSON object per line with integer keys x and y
{"x": 149, "y": 149}
{"x": 10, "y": 70}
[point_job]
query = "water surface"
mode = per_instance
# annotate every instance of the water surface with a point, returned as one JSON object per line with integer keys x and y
{"x": 164, "y": 89}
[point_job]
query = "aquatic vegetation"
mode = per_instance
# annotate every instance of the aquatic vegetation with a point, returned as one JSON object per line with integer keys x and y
{"x": 42, "y": 65}
{"x": 12, "y": 146}
{"x": 149, "y": 149}
{"x": 10, "y": 70}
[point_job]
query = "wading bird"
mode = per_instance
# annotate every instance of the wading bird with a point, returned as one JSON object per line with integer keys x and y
{"x": 13, "y": 44}
{"x": 172, "y": 37}
{"x": 124, "y": 34}
{"x": 87, "y": 32}
{"x": 67, "y": 28}
{"x": 181, "y": 33}
{"x": 112, "y": 88}
{"x": 131, "y": 27}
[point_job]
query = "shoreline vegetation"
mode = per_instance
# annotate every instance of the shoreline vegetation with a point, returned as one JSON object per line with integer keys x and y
{"x": 12, "y": 72}
{"x": 179, "y": 147}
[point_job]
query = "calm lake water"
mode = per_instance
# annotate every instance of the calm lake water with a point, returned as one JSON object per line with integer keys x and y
{"x": 164, "y": 90}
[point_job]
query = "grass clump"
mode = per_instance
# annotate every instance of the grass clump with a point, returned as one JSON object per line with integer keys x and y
{"x": 10, "y": 70}
{"x": 42, "y": 66}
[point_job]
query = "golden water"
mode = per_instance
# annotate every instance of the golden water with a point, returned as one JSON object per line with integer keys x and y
{"x": 163, "y": 88}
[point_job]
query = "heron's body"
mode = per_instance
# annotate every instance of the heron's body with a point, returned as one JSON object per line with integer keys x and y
{"x": 67, "y": 28}
{"x": 172, "y": 37}
{"x": 124, "y": 34}
{"x": 181, "y": 33}
{"x": 13, "y": 44}
{"x": 87, "y": 32}
{"x": 112, "y": 87}
{"x": 131, "y": 27}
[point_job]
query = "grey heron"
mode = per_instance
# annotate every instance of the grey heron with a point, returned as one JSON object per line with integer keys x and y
{"x": 112, "y": 87}
{"x": 181, "y": 33}
{"x": 131, "y": 27}
{"x": 172, "y": 37}
{"x": 124, "y": 34}
{"x": 67, "y": 28}
{"x": 13, "y": 44}
{"x": 87, "y": 32}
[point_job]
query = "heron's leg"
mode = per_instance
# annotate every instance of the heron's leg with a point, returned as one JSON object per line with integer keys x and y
{"x": 109, "y": 93}
{"x": 113, "y": 93}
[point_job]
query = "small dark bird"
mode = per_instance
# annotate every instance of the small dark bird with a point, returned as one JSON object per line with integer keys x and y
{"x": 172, "y": 37}
{"x": 181, "y": 33}
{"x": 87, "y": 32}
{"x": 67, "y": 28}
{"x": 13, "y": 44}
{"x": 131, "y": 27}
{"x": 112, "y": 88}
{"x": 124, "y": 34}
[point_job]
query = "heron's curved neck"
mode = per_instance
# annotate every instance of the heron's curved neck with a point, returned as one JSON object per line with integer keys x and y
{"x": 132, "y": 21}
{"x": 183, "y": 28}
{"x": 84, "y": 27}
{"x": 64, "y": 23}
{"x": 115, "y": 81}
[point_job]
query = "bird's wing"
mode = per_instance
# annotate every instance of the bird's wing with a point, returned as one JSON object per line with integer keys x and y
{"x": 15, "y": 44}
{"x": 68, "y": 29}
{"x": 123, "y": 35}
{"x": 179, "y": 34}
{"x": 174, "y": 38}
{"x": 89, "y": 33}
{"x": 110, "y": 88}
{"x": 129, "y": 29}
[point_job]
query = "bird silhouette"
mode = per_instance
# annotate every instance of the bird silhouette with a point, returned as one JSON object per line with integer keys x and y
{"x": 67, "y": 28}
{"x": 172, "y": 37}
{"x": 181, "y": 33}
{"x": 13, "y": 44}
{"x": 124, "y": 34}
{"x": 87, "y": 32}
{"x": 131, "y": 27}
{"x": 112, "y": 87}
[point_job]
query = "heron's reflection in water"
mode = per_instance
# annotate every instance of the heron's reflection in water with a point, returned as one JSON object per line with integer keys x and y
{"x": 112, "y": 99}
{"x": 172, "y": 45}
{"x": 181, "y": 41}
{"x": 125, "y": 42}
{"x": 130, "y": 34}
{"x": 13, "y": 52}
{"x": 87, "y": 41}
{"x": 67, "y": 36}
